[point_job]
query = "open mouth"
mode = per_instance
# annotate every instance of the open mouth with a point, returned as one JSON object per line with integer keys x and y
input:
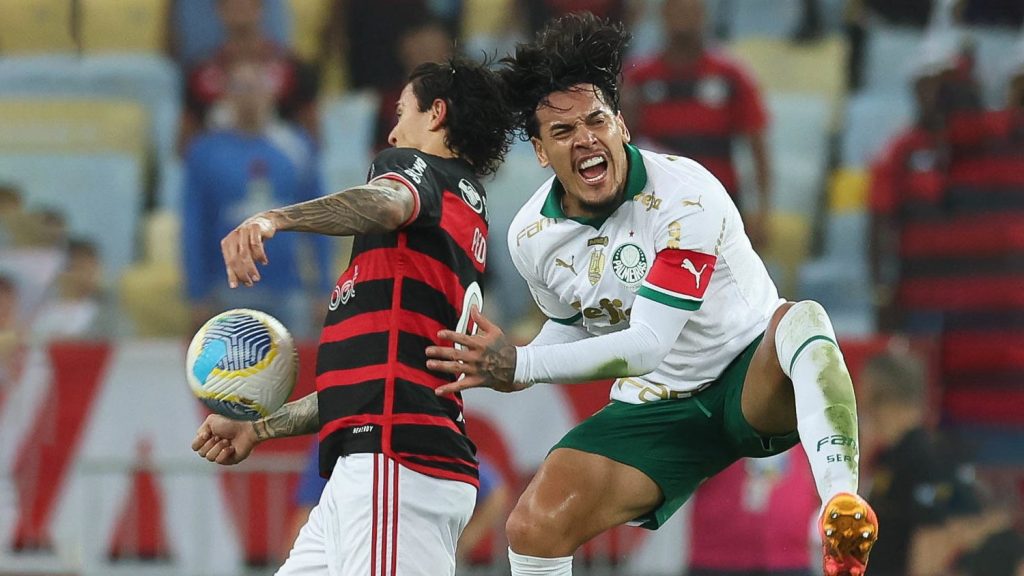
{"x": 592, "y": 168}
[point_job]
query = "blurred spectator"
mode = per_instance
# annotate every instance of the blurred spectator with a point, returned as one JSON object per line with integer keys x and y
{"x": 769, "y": 504}
{"x": 292, "y": 83}
{"x": 9, "y": 329}
{"x": 538, "y": 12}
{"x": 307, "y": 493}
{"x": 492, "y": 500}
{"x": 10, "y": 212}
{"x": 910, "y": 177}
{"x": 426, "y": 41}
{"x": 234, "y": 172}
{"x": 81, "y": 308}
{"x": 916, "y": 480}
{"x": 695, "y": 102}
{"x": 196, "y": 31}
{"x": 367, "y": 32}
{"x": 999, "y": 553}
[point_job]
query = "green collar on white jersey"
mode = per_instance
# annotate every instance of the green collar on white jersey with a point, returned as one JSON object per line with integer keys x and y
{"x": 636, "y": 179}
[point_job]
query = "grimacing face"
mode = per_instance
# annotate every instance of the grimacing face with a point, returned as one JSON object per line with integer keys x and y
{"x": 583, "y": 141}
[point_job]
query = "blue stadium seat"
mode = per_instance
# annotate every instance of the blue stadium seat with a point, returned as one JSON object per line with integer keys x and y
{"x": 872, "y": 119}
{"x": 994, "y": 47}
{"x": 346, "y": 127}
{"x": 99, "y": 194}
{"x": 888, "y": 56}
{"x": 152, "y": 81}
{"x": 516, "y": 180}
{"x": 798, "y": 148}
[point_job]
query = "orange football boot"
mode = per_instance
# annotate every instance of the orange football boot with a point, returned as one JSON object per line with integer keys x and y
{"x": 849, "y": 528}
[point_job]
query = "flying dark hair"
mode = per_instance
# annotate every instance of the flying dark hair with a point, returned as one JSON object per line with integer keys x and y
{"x": 479, "y": 123}
{"x": 571, "y": 50}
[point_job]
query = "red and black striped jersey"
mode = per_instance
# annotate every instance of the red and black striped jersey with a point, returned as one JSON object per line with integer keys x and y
{"x": 374, "y": 391}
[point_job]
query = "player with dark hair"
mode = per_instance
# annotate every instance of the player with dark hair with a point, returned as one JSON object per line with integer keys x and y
{"x": 403, "y": 473}
{"x": 641, "y": 264}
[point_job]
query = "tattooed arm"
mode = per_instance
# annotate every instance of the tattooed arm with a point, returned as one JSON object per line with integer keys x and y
{"x": 292, "y": 419}
{"x": 379, "y": 206}
{"x": 227, "y": 441}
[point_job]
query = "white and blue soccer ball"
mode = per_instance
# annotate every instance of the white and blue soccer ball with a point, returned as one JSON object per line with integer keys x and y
{"x": 242, "y": 364}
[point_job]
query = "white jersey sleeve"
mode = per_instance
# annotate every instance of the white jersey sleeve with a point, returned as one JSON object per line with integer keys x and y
{"x": 688, "y": 241}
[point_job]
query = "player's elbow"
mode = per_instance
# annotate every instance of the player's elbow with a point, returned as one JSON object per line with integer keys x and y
{"x": 650, "y": 351}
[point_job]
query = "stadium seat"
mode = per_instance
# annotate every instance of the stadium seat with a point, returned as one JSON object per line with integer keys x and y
{"x": 99, "y": 193}
{"x": 151, "y": 293}
{"x": 73, "y": 126}
{"x": 346, "y": 126}
{"x": 873, "y": 118}
{"x": 127, "y": 26}
{"x": 36, "y": 27}
{"x": 308, "y": 18}
{"x": 888, "y": 56}
{"x": 848, "y": 191}
{"x": 813, "y": 68}
{"x": 993, "y": 46}
{"x": 757, "y": 18}
{"x": 798, "y": 140}
{"x": 150, "y": 81}
{"x": 789, "y": 242}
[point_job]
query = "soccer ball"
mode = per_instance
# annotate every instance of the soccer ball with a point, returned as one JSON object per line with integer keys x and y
{"x": 242, "y": 364}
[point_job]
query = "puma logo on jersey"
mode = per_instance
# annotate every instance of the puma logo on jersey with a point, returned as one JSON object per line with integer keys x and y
{"x": 693, "y": 270}
{"x": 696, "y": 202}
{"x": 570, "y": 265}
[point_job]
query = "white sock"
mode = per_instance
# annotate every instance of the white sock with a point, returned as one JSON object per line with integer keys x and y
{"x": 533, "y": 566}
{"x": 826, "y": 409}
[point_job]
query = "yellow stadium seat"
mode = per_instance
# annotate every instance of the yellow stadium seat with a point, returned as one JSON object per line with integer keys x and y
{"x": 308, "y": 19}
{"x": 162, "y": 238}
{"x": 151, "y": 292}
{"x": 53, "y": 126}
{"x": 36, "y": 27}
{"x": 848, "y": 190}
{"x": 806, "y": 68}
{"x": 124, "y": 25}
{"x": 789, "y": 240}
{"x": 485, "y": 17}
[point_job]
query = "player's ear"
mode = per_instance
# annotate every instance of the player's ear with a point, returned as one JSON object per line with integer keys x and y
{"x": 438, "y": 114}
{"x": 622, "y": 126}
{"x": 538, "y": 149}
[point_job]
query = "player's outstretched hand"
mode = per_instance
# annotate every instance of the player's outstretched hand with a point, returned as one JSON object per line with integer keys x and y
{"x": 242, "y": 249}
{"x": 485, "y": 359}
{"x": 223, "y": 440}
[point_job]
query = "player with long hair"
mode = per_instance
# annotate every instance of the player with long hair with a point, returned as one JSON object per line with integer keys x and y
{"x": 403, "y": 473}
{"x": 666, "y": 295}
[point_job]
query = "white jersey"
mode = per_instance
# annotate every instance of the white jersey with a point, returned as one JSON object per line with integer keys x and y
{"x": 677, "y": 239}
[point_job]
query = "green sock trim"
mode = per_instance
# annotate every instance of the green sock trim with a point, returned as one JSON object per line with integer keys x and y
{"x": 805, "y": 345}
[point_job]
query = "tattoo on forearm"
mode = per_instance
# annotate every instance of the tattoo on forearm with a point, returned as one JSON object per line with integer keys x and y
{"x": 292, "y": 419}
{"x": 371, "y": 208}
{"x": 499, "y": 361}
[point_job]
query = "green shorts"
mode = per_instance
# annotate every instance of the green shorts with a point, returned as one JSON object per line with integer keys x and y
{"x": 679, "y": 443}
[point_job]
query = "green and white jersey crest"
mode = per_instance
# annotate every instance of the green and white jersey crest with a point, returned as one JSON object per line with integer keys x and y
{"x": 589, "y": 271}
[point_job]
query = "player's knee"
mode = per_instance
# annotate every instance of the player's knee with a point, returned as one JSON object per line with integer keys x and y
{"x": 801, "y": 324}
{"x": 535, "y": 532}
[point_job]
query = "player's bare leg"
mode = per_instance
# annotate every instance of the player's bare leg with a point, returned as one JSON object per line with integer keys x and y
{"x": 574, "y": 497}
{"x": 798, "y": 380}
